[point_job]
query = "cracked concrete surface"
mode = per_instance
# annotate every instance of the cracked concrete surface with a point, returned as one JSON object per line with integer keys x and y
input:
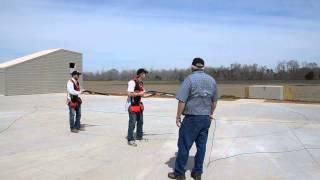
{"x": 253, "y": 140}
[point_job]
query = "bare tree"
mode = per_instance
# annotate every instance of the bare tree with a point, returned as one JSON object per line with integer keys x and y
{"x": 292, "y": 66}
{"x": 285, "y": 70}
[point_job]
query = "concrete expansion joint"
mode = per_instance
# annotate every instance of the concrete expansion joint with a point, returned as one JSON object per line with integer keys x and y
{"x": 35, "y": 109}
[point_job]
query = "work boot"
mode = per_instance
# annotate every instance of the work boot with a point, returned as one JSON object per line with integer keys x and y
{"x": 132, "y": 143}
{"x": 173, "y": 175}
{"x": 74, "y": 130}
{"x": 196, "y": 176}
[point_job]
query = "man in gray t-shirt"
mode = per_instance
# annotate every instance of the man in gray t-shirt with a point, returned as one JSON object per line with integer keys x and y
{"x": 197, "y": 98}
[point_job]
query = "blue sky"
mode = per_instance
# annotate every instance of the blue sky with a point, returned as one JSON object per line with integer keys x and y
{"x": 127, "y": 34}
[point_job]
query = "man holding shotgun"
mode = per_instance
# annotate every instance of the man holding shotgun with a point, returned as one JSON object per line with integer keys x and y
{"x": 135, "y": 93}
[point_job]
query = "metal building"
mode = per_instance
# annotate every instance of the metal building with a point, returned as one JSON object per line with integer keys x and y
{"x": 42, "y": 72}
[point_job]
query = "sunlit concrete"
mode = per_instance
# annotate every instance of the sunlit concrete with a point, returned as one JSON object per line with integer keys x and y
{"x": 253, "y": 140}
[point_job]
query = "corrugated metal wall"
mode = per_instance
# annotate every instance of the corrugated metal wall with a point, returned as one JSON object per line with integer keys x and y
{"x": 1, "y": 82}
{"x": 42, "y": 75}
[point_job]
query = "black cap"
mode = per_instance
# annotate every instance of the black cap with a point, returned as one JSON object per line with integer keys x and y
{"x": 141, "y": 70}
{"x": 198, "y": 62}
{"x": 75, "y": 73}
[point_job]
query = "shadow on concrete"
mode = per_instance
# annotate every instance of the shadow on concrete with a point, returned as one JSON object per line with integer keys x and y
{"x": 89, "y": 125}
{"x": 149, "y": 134}
{"x": 156, "y": 134}
{"x": 171, "y": 162}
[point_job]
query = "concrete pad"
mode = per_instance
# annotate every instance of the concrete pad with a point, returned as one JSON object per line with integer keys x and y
{"x": 253, "y": 140}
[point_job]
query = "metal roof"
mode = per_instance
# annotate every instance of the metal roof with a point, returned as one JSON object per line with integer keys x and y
{"x": 29, "y": 57}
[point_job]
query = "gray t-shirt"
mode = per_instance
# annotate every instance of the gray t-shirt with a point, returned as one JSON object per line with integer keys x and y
{"x": 199, "y": 92}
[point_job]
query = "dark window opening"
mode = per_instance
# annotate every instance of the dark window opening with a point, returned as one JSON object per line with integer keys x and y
{"x": 72, "y": 65}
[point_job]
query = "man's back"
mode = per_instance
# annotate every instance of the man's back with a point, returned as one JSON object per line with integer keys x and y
{"x": 197, "y": 101}
{"x": 198, "y": 91}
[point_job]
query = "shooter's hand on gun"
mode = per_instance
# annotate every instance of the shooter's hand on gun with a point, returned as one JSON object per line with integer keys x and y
{"x": 147, "y": 94}
{"x": 138, "y": 93}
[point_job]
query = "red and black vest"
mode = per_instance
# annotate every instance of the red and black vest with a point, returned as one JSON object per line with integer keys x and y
{"x": 135, "y": 101}
{"x": 76, "y": 86}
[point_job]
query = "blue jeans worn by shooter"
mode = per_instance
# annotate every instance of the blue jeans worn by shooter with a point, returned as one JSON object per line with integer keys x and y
{"x": 194, "y": 128}
{"x": 74, "y": 117}
{"x": 135, "y": 118}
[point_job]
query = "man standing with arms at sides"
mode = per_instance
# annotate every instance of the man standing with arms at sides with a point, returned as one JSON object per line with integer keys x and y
{"x": 74, "y": 102}
{"x": 135, "y": 92}
{"x": 197, "y": 101}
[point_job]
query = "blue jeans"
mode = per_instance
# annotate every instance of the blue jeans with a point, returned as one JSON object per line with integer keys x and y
{"x": 133, "y": 119}
{"x": 74, "y": 117}
{"x": 194, "y": 128}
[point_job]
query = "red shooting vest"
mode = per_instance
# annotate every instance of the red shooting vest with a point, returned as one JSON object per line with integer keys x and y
{"x": 136, "y": 104}
{"x": 75, "y": 100}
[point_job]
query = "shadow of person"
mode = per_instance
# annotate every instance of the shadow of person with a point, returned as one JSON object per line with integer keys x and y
{"x": 189, "y": 165}
{"x": 88, "y": 125}
{"x": 157, "y": 134}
